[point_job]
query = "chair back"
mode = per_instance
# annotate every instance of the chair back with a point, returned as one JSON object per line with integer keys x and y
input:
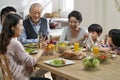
{"x": 105, "y": 39}
{"x": 4, "y": 64}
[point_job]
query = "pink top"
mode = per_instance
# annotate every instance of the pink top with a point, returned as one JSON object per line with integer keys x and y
{"x": 20, "y": 61}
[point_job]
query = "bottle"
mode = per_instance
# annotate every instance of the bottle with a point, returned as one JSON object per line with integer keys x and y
{"x": 89, "y": 43}
{"x": 39, "y": 40}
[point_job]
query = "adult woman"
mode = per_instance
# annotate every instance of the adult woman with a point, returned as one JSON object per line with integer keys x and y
{"x": 21, "y": 63}
{"x": 74, "y": 32}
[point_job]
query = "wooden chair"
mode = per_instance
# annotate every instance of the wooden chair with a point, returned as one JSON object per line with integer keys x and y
{"x": 4, "y": 64}
{"x": 105, "y": 39}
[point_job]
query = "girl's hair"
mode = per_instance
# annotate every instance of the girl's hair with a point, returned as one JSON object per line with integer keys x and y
{"x": 95, "y": 28}
{"x": 76, "y": 14}
{"x": 7, "y": 33}
{"x": 115, "y": 36}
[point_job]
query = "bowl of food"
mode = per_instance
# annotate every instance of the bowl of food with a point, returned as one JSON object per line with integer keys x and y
{"x": 103, "y": 57}
{"x": 90, "y": 63}
{"x": 62, "y": 46}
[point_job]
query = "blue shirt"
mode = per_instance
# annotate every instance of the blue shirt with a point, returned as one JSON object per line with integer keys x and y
{"x": 0, "y": 28}
{"x": 36, "y": 27}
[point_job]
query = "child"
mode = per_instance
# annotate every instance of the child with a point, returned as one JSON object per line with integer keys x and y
{"x": 95, "y": 31}
{"x": 114, "y": 41}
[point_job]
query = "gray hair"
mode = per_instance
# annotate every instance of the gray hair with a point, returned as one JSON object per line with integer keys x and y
{"x": 35, "y": 5}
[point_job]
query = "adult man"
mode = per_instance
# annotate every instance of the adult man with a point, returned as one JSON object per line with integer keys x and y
{"x": 4, "y": 12}
{"x": 34, "y": 25}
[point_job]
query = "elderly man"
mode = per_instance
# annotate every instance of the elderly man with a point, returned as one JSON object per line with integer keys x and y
{"x": 4, "y": 12}
{"x": 34, "y": 25}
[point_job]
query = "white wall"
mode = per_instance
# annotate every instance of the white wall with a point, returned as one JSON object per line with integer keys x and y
{"x": 24, "y": 5}
{"x": 113, "y": 15}
{"x": 87, "y": 9}
{"x": 103, "y": 12}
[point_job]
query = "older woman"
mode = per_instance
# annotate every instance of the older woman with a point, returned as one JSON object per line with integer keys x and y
{"x": 74, "y": 32}
{"x": 20, "y": 62}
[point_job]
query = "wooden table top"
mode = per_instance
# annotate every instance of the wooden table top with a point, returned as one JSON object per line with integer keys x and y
{"x": 76, "y": 71}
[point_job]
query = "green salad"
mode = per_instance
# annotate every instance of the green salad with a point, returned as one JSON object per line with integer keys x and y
{"x": 90, "y": 62}
{"x": 57, "y": 62}
{"x": 30, "y": 50}
{"x": 31, "y": 45}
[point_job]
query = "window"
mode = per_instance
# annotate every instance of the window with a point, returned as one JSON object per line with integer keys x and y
{"x": 67, "y": 5}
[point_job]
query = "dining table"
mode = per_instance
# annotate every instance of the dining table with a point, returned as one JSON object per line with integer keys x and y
{"x": 76, "y": 71}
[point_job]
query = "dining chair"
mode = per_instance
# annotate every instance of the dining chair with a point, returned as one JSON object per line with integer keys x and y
{"x": 4, "y": 64}
{"x": 105, "y": 39}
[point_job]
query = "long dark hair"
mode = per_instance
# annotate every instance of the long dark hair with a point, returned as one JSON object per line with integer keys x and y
{"x": 7, "y": 33}
{"x": 115, "y": 36}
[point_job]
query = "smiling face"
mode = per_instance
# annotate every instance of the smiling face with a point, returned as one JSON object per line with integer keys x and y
{"x": 94, "y": 35}
{"x": 35, "y": 13}
{"x": 73, "y": 23}
{"x": 18, "y": 29}
{"x": 110, "y": 41}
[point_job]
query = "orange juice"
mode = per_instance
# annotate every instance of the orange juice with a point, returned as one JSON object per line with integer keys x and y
{"x": 76, "y": 47}
{"x": 95, "y": 50}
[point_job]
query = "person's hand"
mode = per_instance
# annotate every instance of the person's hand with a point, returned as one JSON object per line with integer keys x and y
{"x": 101, "y": 42}
{"x": 43, "y": 45}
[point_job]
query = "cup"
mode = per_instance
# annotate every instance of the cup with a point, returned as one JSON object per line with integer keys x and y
{"x": 55, "y": 49}
{"x": 76, "y": 47}
{"x": 95, "y": 50}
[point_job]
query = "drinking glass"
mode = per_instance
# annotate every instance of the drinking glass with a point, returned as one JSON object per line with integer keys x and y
{"x": 76, "y": 47}
{"x": 55, "y": 50}
{"x": 95, "y": 50}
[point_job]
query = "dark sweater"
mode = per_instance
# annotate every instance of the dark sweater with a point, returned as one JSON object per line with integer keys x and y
{"x": 30, "y": 33}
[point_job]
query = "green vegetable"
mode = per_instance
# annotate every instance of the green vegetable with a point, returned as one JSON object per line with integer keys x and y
{"x": 29, "y": 50}
{"x": 57, "y": 62}
{"x": 32, "y": 45}
{"x": 90, "y": 62}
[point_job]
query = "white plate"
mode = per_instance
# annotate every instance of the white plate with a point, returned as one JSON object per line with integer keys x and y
{"x": 34, "y": 52}
{"x": 34, "y": 45}
{"x": 67, "y": 62}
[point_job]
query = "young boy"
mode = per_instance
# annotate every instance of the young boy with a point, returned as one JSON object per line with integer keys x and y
{"x": 95, "y": 30}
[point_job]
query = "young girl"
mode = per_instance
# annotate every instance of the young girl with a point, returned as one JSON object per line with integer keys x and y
{"x": 114, "y": 40}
